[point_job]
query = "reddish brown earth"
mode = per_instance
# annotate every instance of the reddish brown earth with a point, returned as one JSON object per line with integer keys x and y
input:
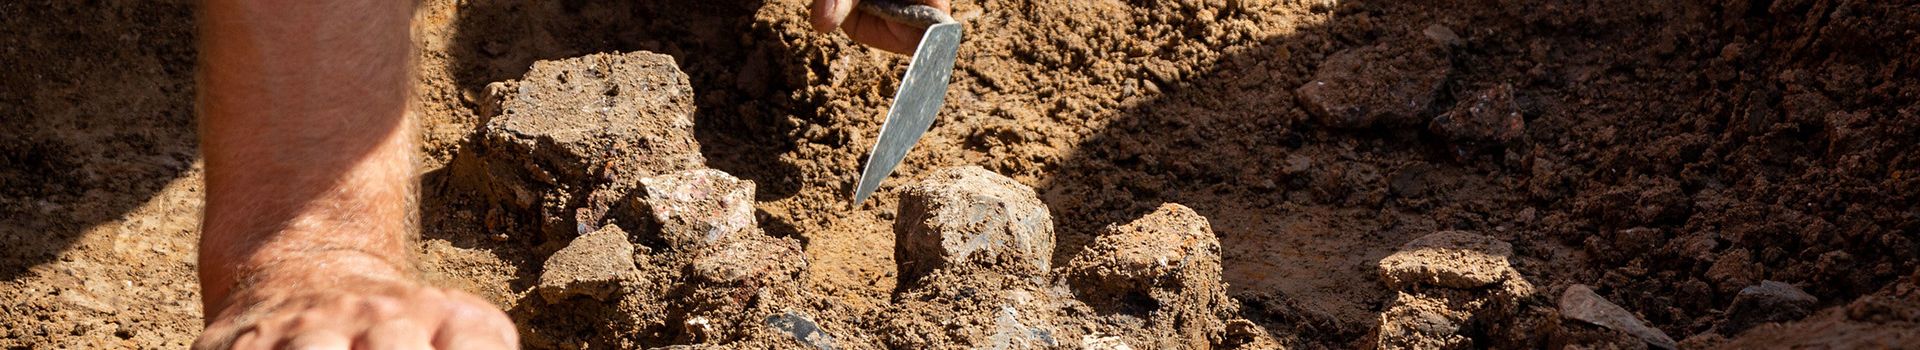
{"x": 1668, "y": 155}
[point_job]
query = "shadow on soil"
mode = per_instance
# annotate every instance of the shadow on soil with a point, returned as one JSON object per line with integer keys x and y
{"x": 1302, "y": 211}
{"x": 86, "y": 139}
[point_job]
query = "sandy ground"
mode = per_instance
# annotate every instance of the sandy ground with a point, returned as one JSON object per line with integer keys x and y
{"x": 1668, "y": 155}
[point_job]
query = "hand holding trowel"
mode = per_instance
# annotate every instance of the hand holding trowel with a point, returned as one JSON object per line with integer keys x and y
{"x": 922, "y": 91}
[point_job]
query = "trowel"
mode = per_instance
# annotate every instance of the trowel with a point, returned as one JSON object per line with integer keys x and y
{"x": 921, "y": 93}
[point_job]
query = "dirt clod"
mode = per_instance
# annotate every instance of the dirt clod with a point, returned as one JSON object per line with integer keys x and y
{"x": 736, "y": 284}
{"x": 1457, "y": 290}
{"x": 1246, "y": 335}
{"x": 583, "y": 127}
{"x": 1769, "y": 301}
{"x": 593, "y": 265}
{"x": 1579, "y": 302}
{"x": 1490, "y": 115}
{"x": 1164, "y": 266}
{"x": 972, "y": 216}
{"x": 1392, "y": 84}
{"x": 1426, "y": 321}
{"x": 971, "y": 309}
{"x": 1453, "y": 259}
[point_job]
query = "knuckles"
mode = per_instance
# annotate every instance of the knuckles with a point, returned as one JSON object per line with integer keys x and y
{"x": 418, "y": 308}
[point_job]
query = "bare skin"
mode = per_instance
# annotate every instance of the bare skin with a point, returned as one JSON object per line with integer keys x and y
{"x": 311, "y": 178}
{"x": 310, "y": 175}
{"x": 869, "y": 29}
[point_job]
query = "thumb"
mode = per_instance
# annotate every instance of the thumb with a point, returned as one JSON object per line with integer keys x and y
{"x": 943, "y": 5}
{"x": 828, "y": 14}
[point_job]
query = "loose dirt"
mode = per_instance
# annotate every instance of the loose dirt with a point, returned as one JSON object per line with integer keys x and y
{"x": 1665, "y": 156}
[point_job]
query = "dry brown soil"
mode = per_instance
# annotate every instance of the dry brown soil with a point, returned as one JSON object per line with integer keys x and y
{"x": 1668, "y": 154}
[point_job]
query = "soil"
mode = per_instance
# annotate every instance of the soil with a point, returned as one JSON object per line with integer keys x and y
{"x": 1666, "y": 155}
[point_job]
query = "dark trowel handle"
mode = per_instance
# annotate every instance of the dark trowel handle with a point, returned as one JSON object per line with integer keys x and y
{"x": 906, "y": 13}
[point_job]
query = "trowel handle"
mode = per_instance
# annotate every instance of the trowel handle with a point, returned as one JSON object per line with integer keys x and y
{"x": 906, "y": 13}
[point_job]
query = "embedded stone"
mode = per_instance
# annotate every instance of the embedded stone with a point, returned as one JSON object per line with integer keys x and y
{"x": 1767, "y": 302}
{"x": 592, "y": 265}
{"x": 697, "y": 206}
{"x": 1581, "y": 303}
{"x": 972, "y": 216}
{"x": 1452, "y": 259}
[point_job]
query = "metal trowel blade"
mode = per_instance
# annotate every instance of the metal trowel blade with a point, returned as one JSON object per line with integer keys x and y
{"x": 922, "y": 92}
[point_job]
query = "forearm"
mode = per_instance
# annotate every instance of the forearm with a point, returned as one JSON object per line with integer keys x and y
{"x": 304, "y": 131}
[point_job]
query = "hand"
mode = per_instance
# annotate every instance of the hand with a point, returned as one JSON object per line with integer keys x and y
{"x": 362, "y": 310}
{"x": 869, "y": 29}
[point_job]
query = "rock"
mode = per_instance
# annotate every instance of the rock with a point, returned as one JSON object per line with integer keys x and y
{"x": 1489, "y": 116}
{"x": 755, "y": 260}
{"x": 1580, "y": 335}
{"x": 1767, "y": 302}
{"x": 593, "y": 265}
{"x": 1387, "y": 83}
{"x": 1010, "y": 333}
{"x": 1733, "y": 268}
{"x": 1581, "y": 303}
{"x": 1452, "y": 259}
{"x": 972, "y": 216}
{"x": 1442, "y": 35}
{"x": 802, "y": 329}
{"x": 1165, "y": 267}
{"x": 571, "y": 126}
{"x": 1103, "y": 342}
{"x": 1170, "y": 248}
{"x": 1425, "y": 321}
{"x": 696, "y": 206}
{"x": 1246, "y": 335}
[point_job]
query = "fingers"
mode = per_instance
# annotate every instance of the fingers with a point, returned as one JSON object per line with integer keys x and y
{"x": 327, "y": 325}
{"x": 829, "y": 14}
{"x": 318, "y": 340}
{"x": 222, "y": 336}
{"x": 869, "y": 29}
{"x": 396, "y": 334}
{"x": 472, "y": 323}
{"x": 419, "y": 318}
{"x": 882, "y": 34}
